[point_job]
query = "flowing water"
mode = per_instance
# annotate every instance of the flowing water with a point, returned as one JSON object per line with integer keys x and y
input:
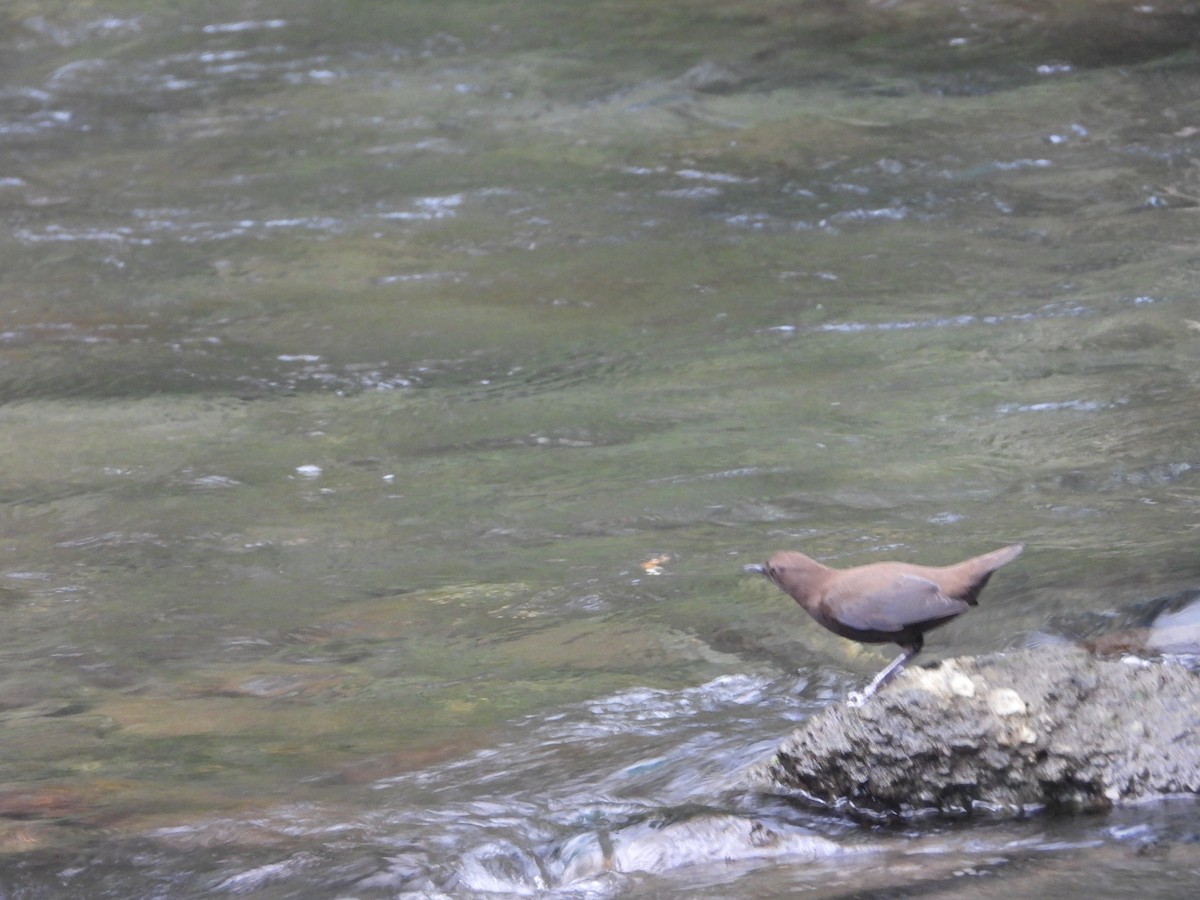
{"x": 392, "y": 392}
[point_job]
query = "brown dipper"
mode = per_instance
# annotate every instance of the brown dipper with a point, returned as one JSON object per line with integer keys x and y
{"x": 886, "y": 602}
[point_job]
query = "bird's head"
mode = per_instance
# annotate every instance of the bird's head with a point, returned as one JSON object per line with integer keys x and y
{"x": 793, "y": 572}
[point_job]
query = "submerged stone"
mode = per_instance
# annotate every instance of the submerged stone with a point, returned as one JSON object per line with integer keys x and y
{"x": 656, "y": 846}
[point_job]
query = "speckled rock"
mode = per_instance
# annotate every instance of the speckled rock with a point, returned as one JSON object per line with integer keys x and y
{"x": 658, "y": 846}
{"x": 708, "y": 77}
{"x": 1009, "y": 733}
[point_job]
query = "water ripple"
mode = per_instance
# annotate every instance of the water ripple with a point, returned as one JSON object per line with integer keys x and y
{"x": 1054, "y": 311}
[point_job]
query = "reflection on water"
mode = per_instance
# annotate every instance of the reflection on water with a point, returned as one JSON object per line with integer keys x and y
{"x": 389, "y": 401}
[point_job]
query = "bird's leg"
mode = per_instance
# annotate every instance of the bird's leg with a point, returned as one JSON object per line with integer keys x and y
{"x": 855, "y": 699}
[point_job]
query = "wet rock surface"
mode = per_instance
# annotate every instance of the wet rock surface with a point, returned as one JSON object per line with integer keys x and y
{"x": 701, "y": 839}
{"x": 1162, "y": 627}
{"x": 1010, "y": 733}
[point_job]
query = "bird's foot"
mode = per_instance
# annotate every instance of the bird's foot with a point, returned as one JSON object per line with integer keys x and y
{"x": 855, "y": 700}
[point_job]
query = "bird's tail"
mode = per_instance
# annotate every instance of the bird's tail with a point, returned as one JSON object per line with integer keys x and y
{"x": 979, "y": 569}
{"x": 990, "y": 562}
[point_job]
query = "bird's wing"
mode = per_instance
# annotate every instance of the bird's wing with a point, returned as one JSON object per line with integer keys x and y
{"x": 906, "y": 600}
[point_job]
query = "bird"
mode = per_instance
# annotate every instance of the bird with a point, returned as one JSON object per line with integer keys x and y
{"x": 884, "y": 602}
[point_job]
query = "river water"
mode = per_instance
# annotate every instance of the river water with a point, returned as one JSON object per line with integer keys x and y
{"x": 392, "y": 392}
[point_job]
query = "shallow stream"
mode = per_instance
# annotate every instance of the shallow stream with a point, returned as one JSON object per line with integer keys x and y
{"x": 392, "y": 392}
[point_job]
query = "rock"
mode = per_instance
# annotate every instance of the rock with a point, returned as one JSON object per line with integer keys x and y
{"x": 1006, "y": 702}
{"x": 657, "y": 846}
{"x": 1048, "y": 727}
{"x": 1161, "y": 627}
{"x": 708, "y": 77}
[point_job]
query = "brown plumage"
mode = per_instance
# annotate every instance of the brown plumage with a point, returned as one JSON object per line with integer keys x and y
{"x": 886, "y": 602}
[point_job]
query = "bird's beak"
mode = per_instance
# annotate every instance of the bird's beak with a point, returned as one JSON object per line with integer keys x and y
{"x": 755, "y": 569}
